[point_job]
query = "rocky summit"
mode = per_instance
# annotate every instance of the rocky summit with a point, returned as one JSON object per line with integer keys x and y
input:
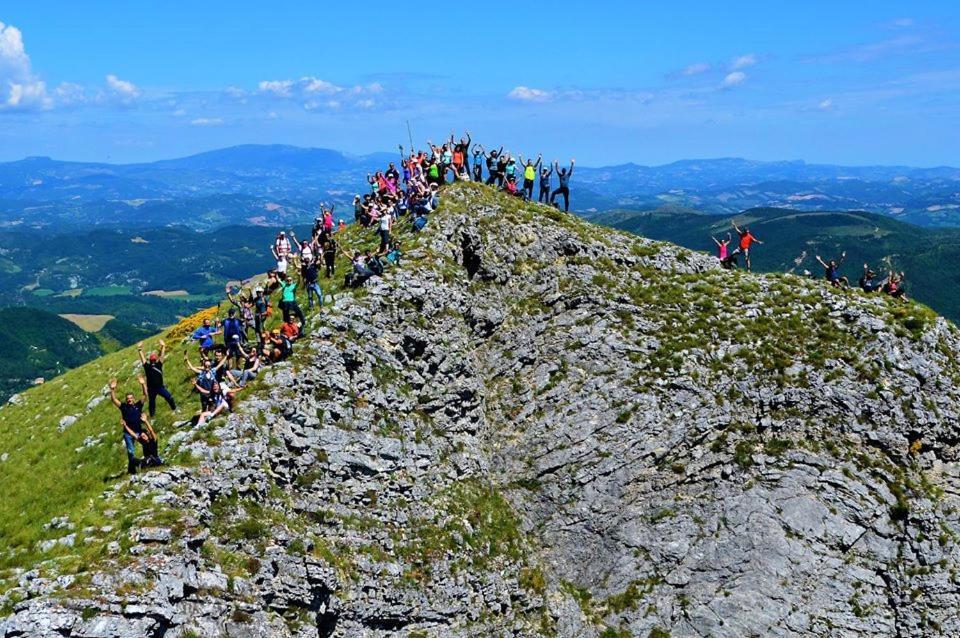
{"x": 538, "y": 427}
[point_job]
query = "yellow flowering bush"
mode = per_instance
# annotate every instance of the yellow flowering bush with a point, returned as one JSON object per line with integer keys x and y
{"x": 187, "y": 325}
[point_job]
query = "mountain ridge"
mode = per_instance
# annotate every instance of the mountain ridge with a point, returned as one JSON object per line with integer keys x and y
{"x": 539, "y": 427}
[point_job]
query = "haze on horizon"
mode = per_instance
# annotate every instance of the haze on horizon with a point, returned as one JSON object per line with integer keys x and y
{"x": 615, "y": 83}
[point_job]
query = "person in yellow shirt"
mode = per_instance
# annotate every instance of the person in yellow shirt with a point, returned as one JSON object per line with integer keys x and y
{"x": 529, "y": 175}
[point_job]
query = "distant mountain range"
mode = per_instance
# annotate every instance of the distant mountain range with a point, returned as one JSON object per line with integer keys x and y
{"x": 271, "y": 184}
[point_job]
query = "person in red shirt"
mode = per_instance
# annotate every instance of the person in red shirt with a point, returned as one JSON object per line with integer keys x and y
{"x": 290, "y": 330}
{"x": 746, "y": 239}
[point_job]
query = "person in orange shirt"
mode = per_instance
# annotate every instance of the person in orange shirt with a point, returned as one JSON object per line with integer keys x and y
{"x": 746, "y": 239}
{"x": 290, "y": 330}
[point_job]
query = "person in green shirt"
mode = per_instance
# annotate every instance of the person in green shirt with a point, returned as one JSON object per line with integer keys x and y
{"x": 288, "y": 299}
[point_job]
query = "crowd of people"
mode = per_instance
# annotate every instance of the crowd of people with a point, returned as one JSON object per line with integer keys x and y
{"x": 869, "y": 280}
{"x": 232, "y": 351}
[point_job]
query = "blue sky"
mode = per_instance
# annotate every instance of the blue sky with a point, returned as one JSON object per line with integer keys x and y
{"x": 606, "y": 82}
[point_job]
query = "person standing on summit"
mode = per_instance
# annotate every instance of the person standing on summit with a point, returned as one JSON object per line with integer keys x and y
{"x": 746, "y": 239}
{"x": 153, "y": 373}
{"x": 564, "y": 189}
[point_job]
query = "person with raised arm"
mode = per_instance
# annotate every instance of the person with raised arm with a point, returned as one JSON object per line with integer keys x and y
{"x": 563, "y": 175}
{"x": 529, "y": 174}
{"x": 153, "y": 372}
{"x": 136, "y": 427}
{"x": 545, "y": 173}
{"x": 831, "y": 270}
{"x": 746, "y": 240}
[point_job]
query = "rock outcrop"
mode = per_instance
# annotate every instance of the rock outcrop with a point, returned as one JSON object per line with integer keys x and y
{"x": 537, "y": 427}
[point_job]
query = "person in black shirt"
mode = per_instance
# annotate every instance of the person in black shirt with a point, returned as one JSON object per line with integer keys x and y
{"x": 329, "y": 256}
{"x": 153, "y": 371}
{"x": 310, "y": 277}
{"x": 136, "y": 427}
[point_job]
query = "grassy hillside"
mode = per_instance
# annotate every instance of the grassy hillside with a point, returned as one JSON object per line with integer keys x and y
{"x": 53, "y": 467}
{"x": 792, "y": 238}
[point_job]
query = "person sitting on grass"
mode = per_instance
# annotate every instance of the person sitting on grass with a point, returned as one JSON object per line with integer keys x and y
{"x": 831, "y": 270}
{"x": 153, "y": 371}
{"x": 868, "y": 282}
{"x": 251, "y": 366}
{"x": 219, "y": 403}
{"x": 290, "y": 330}
{"x": 894, "y": 286}
{"x": 277, "y": 347}
{"x": 136, "y": 427}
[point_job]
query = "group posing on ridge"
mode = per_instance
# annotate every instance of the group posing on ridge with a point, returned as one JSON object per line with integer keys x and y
{"x": 234, "y": 350}
{"x": 869, "y": 281}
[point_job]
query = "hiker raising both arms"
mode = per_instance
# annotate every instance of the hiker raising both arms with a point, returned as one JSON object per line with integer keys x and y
{"x": 136, "y": 427}
{"x": 746, "y": 240}
{"x": 153, "y": 371}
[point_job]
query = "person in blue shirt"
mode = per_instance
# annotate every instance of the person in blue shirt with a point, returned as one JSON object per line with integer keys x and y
{"x": 205, "y": 334}
{"x": 232, "y": 335}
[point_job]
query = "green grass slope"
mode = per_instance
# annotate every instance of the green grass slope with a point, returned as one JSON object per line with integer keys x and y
{"x": 79, "y": 471}
{"x": 792, "y": 238}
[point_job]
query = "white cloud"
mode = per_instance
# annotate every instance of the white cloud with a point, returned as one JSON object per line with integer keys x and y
{"x": 277, "y": 87}
{"x": 179, "y": 112}
{"x": 316, "y": 85}
{"x": 207, "y": 121}
{"x": 733, "y": 79}
{"x": 70, "y": 93}
{"x": 743, "y": 61}
{"x": 122, "y": 89}
{"x": 825, "y": 105}
{"x": 19, "y": 87}
{"x": 314, "y": 93}
{"x": 527, "y": 94}
{"x": 696, "y": 69}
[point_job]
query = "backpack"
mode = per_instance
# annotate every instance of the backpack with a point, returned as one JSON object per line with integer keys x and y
{"x": 419, "y": 223}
